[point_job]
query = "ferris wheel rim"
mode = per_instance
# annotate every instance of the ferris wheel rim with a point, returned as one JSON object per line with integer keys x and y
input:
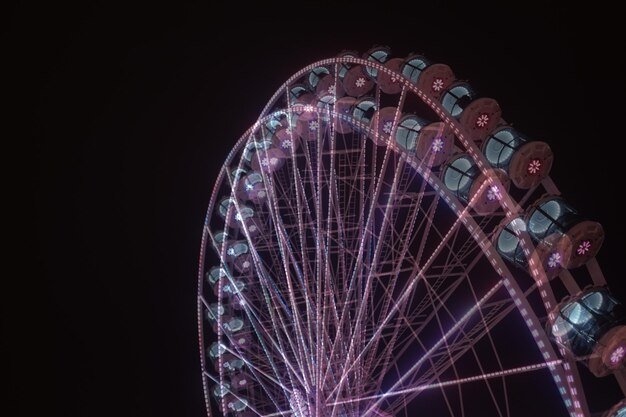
{"x": 440, "y": 111}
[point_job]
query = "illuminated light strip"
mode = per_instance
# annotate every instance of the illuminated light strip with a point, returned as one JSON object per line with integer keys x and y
{"x": 508, "y": 372}
{"x": 545, "y": 353}
{"x": 278, "y": 413}
{"x": 203, "y": 244}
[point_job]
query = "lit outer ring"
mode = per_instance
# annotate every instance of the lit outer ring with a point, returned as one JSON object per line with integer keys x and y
{"x": 566, "y": 377}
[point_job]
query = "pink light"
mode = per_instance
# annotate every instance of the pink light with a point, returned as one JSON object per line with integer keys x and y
{"x": 437, "y": 145}
{"x": 584, "y": 247}
{"x": 482, "y": 120}
{"x": 494, "y": 193}
{"x": 617, "y": 356}
{"x": 437, "y": 84}
{"x": 554, "y": 260}
{"x": 534, "y": 166}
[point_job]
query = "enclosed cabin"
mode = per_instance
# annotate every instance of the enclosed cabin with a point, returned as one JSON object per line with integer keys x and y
{"x": 344, "y": 119}
{"x": 389, "y": 78}
{"x": 432, "y": 143}
{"x": 213, "y": 277}
{"x": 363, "y": 112}
{"x": 218, "y": 239}
{"x": 238, "y": 254}
{"x": 234, "y": 325}
{"x": 218, "y": 352}
{"x": 526, "y": 162}
{"x": 413, "y": 66}
{"x": 236, "y": 214}
{"x": 591, "y": 327}
{"x": 344, "y": 67}
{"x": 236, "y": 175}
{"x": 232, "y": 397}
{"x": 310, "y": 111}
{"x": 323, "y": 82}
{"x": 236, "y": 405}
{"x": 326, "y": 105}
{"x": 327, "y": 90}
{"x": 344, "y": 104}
{"x": 237, "y": 386}
{"x": 410, "y": 68}
{"x": 226, "y": 285}
{"x": 478, "y": 116}
{"x": 408, "y": 131}
{"x": 216, "y": 313}
{"x": 240, "y": 382}
{"x": 508, "y": 243}
{"x": 302, "y": 105}
{"x": 383, "y": 124}
{"x": 565, "y": 235}
{"x": 433, "y": 79}
{"x": 220, "y": 391}
{"x": 260, "y": 153}
{"x": 378, "y": 55}
{"x": 300, "y": 95}
{"x": 355, "y": 79}
{"x": 463, "y": 177}
{"x": 287, "y": 137}
{"x": 252, "y": 188}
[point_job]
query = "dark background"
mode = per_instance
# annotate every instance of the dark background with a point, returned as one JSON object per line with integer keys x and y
{"x": 122, "y": 115}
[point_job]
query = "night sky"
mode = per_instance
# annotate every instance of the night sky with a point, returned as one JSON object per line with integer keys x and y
{"x": 123, "y": 115}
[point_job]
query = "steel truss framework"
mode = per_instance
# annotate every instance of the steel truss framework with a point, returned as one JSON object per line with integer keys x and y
{"x": 370, "y": 284}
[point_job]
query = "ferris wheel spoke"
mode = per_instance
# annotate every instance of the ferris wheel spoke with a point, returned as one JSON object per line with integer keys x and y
{"x": 403, "y": 296}
{"x": 465, "y": 341}
{"x": 443, "y": 340}
{"x": 278, "y": 333}
{"x": 388, "y": 299}
{"x": 361, "y": 302}
{"x": 301, "y": 350}
{"x": 277, "y": 347}
{"x": 378, "y": 246}
{"x": 417, "y": 321}
{"x": 436, "y": 300}
{"x": 388, "y": 221}
{"x": 495, "y": 354}
{"x": 434, "y": 357}
{"x": 456, "y": 382}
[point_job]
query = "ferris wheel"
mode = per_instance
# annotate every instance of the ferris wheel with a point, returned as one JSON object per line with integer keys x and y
{"x": 381, "y": 242}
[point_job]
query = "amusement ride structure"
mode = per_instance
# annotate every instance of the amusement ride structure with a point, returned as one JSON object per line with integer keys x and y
{"x": 381, "y": 242}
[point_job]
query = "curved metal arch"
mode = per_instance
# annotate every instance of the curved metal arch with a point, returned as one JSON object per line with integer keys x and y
{"x": 511, "y": 208}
